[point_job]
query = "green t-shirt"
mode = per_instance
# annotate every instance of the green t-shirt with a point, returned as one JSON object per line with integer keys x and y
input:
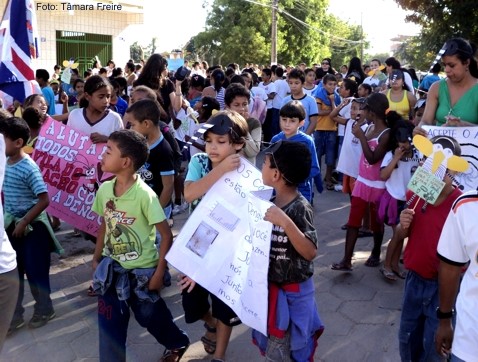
{"x": 130, "y": 224}
{"x": 466, "y": 107}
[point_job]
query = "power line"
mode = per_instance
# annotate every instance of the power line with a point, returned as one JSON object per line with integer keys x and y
{"x": 305, "y": 24}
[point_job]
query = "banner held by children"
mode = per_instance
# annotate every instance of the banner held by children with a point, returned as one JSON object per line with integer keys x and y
{"x": 71, "y": 168}
{"x": 467, "y": 137}
{"x": 224, "y": 246}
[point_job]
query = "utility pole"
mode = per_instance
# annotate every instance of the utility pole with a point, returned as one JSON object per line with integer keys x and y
{"x": 361, "y": 38}
{"x": 274, "y": 32}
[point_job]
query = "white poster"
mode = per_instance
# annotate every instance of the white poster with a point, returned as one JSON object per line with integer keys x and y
{"x": 468, "y": 139}
{"x": 224, "y": 246}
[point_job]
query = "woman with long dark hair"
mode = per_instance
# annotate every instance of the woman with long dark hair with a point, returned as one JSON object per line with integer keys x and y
{"x": 154, "y": 75}
{"x": 216, "y": 89}
{"x": 453, "y": 101}
{"x": 355, "y": 71}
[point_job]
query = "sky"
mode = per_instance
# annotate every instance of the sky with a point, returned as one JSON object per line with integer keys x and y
{"x": 181, "y": 19}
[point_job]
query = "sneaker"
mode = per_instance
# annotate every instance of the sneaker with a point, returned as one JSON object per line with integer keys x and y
{"x": 38, "y": 321}
{"x": 15, "y": 325}
{"x": 338, "y": 188}
{"x": 178, "y": 209}
{"x": 173, "y": 355}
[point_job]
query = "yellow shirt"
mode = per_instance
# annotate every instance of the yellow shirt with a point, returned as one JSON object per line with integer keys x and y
{"x": 324, "y": 123}
{"x": 402, "y": 107}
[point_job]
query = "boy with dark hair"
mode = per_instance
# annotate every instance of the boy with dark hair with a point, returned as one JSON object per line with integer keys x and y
{"x": 26, "y": 198}
{"x": 309, "y": 84}
{"x": 325, "y": 134}
{"x": 237, "y": 99}
{"x": 296, "y": 81}
{"x": 128, "y": 269}
{"x": 292, "y": 116}
{"x": 293, "y": 248}
{"x": 158, "y": 171}
{"x": 429, "y": 79}
{"x": 42, "y": 77}
{"x": 419, "y": 318}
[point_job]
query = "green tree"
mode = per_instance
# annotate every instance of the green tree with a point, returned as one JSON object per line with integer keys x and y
{"x": 239, "y": 31}
{"x": 441, "y": 20}
{"x": 136, "y": 52}
{"x": 412, "y": 51}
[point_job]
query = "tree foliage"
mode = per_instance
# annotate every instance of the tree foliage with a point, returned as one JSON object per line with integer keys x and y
{"x": 414, "y": 53}
{"x": 138, "y": 52}
{"x": 441, "y": 20}
{"x": 239, "y": 31}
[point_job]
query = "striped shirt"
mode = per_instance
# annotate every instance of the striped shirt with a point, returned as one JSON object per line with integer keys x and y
{"x": 23, "y": 183}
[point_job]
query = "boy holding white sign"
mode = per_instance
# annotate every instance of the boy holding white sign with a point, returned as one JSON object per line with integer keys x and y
{"x": 225, "y": 136}
{"x": 293, "y": 248}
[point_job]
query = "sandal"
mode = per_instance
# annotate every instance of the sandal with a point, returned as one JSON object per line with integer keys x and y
{"x": 388, "y": 275}
{"x": 330, "y": 187}
{"x": 372, "y": 261}
{"x": 341, "y": 266}
{"x": 400, "y": 274}
{"x": 91, "y": 292}
{"x": 173, "y": 355}
{"x": 209, "y": 344}
{"x": 364, "y": 233}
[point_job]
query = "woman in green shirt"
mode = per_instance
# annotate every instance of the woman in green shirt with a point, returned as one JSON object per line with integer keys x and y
{"x": 453, "y": 101}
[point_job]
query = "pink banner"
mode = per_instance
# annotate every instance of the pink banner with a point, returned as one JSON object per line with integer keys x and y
{"x": 70, "y": 164}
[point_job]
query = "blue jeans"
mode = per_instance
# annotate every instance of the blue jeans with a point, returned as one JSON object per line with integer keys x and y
{"x": 113, "y": 318}
{"x": 418, "y": 322}
{"x": 33, "y": 259}
{"x": 325, "y": 142}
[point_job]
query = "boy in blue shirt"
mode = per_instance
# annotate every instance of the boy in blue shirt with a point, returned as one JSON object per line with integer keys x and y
{"x": 296, "y": 79}
{"x": 26, "y": 198}
{"x": 292, "y": 116}
{"x": 128, "y": 270}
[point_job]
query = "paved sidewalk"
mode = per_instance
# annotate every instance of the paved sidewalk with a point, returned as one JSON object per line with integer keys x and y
{"x": 360, "y": 309}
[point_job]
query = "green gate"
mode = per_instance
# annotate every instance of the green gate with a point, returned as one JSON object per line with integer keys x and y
{"x": 83, "y": 47}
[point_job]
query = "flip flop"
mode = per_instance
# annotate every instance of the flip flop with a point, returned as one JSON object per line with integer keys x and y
{"x": 400, "y": 274}
{"x": 372, "y": 261}
{"x": 341, "y": 266}
{"x": 388, "y": 275}
{"x": 330, "y": 187}
{"x": 364, "y": 233}
{"x": 91, "y": 292}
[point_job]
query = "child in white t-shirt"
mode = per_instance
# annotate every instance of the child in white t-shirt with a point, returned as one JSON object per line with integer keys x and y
{"x": 96, "y": 120}
{"x": 397, "y": 169}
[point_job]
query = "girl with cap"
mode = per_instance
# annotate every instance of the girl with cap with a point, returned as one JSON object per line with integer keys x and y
{"x": 399, "y": 96}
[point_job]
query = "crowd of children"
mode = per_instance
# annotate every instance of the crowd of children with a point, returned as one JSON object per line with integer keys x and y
{"x": 168, "y": 141}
